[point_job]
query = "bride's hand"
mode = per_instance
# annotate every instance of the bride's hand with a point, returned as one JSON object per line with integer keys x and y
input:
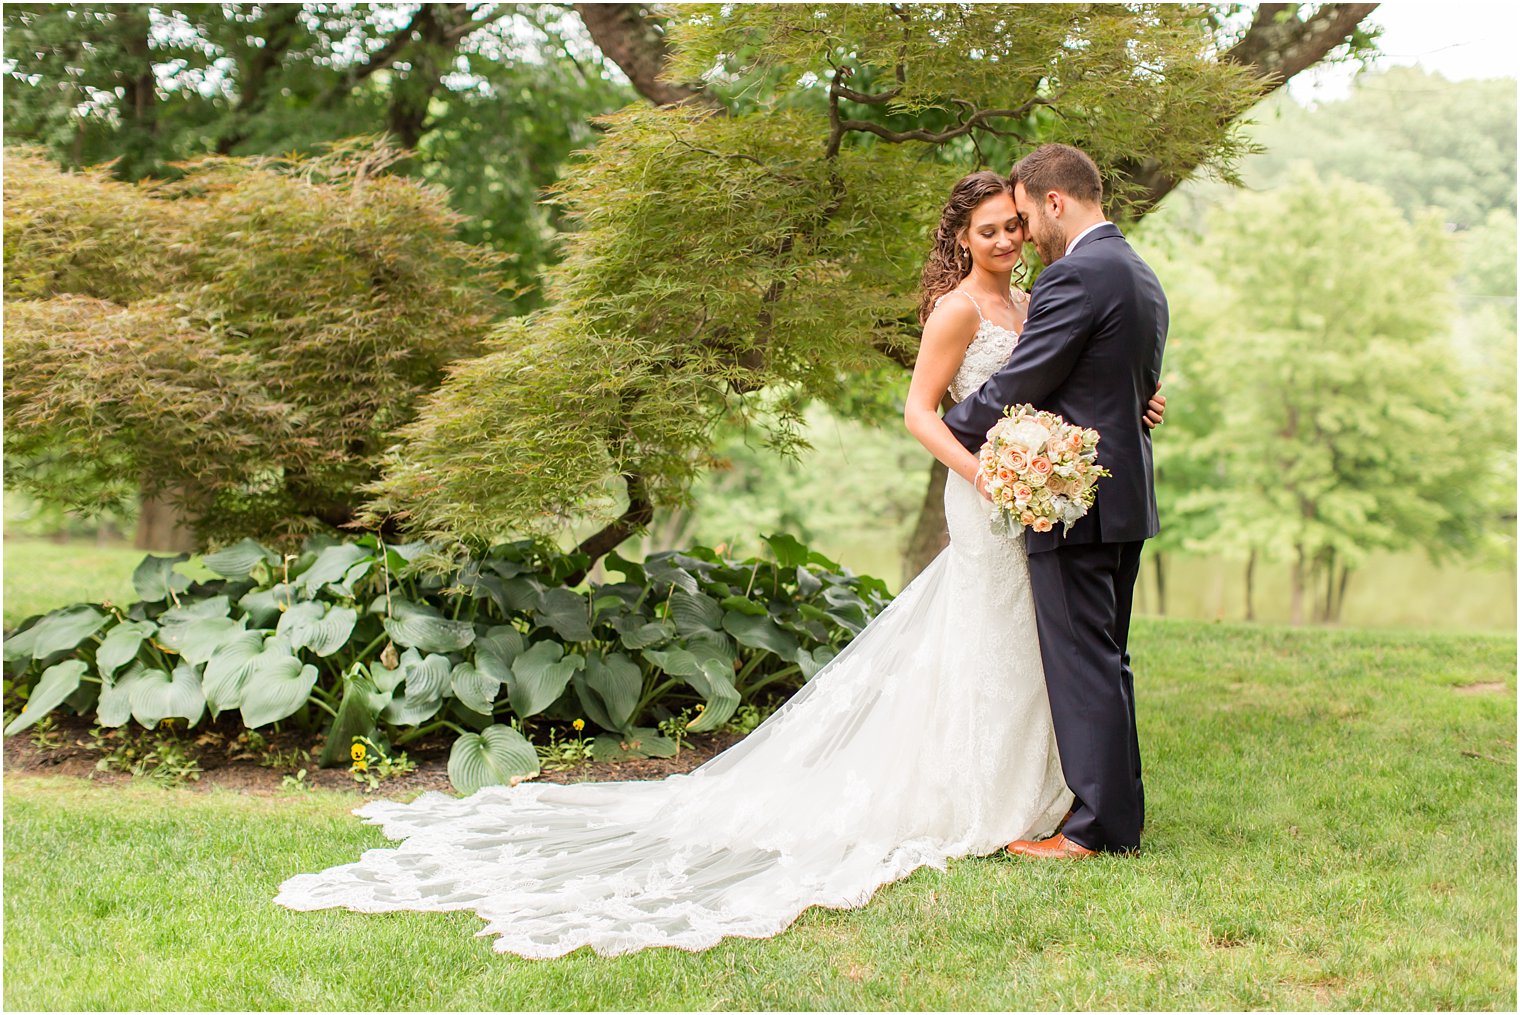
{"x": 980, "y": 482}
{"x": 1155, "y": 409}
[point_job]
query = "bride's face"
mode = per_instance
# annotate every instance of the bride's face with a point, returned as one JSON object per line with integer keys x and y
{"x": 995, "y": 234}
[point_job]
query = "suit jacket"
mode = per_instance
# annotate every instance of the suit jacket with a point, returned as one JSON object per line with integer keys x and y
{"x": 1091, "y": 351}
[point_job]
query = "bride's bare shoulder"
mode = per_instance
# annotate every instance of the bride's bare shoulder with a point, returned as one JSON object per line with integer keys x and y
{"x": 953, "y": 319}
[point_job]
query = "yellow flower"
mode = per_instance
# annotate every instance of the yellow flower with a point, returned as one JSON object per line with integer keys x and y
{"x": 356, "y": 752}
{"x": 360, "y": 766}
{"x": 579, "y": 725}
{"x": 701, "y": 707}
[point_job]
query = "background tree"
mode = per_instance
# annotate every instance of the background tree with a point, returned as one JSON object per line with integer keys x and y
{"x": 239, "y": 340}
{"x": 492, "y": 97}
{"x": 776, "y": 247}
{"x": 1339, "y": 419}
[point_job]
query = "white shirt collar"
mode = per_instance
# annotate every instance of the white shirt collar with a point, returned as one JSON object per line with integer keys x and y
{"x": 1078, "y": 238}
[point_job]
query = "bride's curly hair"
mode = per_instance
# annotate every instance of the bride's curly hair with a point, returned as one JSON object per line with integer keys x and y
{"x": 945, "y": 266}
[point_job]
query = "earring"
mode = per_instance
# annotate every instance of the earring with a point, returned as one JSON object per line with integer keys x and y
{"x": 966, "y": 255}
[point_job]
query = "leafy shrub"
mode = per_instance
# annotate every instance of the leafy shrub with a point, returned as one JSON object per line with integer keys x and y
{"x": 242, "y": 339}
{"x": 386, "y": 643}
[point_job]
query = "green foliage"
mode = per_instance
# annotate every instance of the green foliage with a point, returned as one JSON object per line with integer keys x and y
{"x": 158, "y": 755}
{"x": 1425, "y": 141}
{"x": 492, "y": 99}
{"x": 727, "y": 268}
{"x": 244, "y": 336}
{"x": 382, "y": 644}
{"x": 1323, "y": 410}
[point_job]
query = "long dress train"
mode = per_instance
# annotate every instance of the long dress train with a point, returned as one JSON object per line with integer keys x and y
{"x": 929, "y": 737}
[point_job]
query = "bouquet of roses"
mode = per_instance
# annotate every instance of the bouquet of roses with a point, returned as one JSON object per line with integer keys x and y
{"x": 1040, "y": 469}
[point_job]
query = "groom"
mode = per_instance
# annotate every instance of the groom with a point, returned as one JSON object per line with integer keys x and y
{"x": 1091, "y": 351}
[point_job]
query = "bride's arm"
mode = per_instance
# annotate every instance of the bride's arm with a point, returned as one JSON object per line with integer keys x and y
{"x": 947, "y": 333}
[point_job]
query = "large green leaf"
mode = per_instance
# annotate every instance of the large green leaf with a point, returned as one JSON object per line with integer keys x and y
{"x": 565, "y": 612}
{"x": 199, "y": 640}
{"x": 64, "y": 630}
{"x": 322, "y": 628}
{"x": 539, "y": 677}
{"x": 636, "y": 743}
{"x": 662, "y": 569}
{"x": 228, "y": 671}
{"x": 497, "y": 756}
{"x": 693, "y": 613}
{"x": 789, "y": 552}
{"x": 264, "y": 606}
{"x": 811, "y": 662}
{"x": 807, "y": 582}
{"x": 420, "y": 626}
{"x": 760, "y": 632}
{"x": 155, "y": 578}
{"x": 476, "y": 689}
{"x": 357, "y": 713}
{"x": 427, "y": 679}
{"x": 121, "y": 644}
{"x": 331, "y": 565}
{"x": 210, "y": 608}
{"x": 278, "y": 685}
{"x": 496, "y": 649}
{"x": 635, "y": 632}
{"x": 609, "y": 689}
{"x": 19, "y": 645}
{"x": 56, "y": 683}
{"x": 239, "y": 559}
{"x": 678, "y": 662}
{"x": 115, "y": 705}
{"x": 742, "y": 604}
{"x": 720, "y": 699}
{"x": 156, "y": 695}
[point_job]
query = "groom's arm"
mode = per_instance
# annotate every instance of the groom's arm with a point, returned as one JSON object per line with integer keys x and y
{"x": 1060, "y": 322}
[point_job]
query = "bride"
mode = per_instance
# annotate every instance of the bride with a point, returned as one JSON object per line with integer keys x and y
{"x": 929, "y": 737}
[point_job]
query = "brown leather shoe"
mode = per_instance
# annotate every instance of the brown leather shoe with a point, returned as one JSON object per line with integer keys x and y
{"x": 1057, "y": 847}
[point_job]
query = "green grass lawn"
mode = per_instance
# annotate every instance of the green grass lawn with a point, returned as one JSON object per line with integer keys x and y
{"x": 1331, "y": 825}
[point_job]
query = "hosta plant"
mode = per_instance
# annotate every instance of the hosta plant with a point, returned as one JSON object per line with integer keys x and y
{"x": 388, "y": 643}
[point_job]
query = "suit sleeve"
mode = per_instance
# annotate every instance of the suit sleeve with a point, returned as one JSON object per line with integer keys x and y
{"x": 1059, "y": 325}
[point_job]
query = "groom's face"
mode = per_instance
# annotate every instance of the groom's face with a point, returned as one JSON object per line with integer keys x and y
{"x": 1043, "y": 229}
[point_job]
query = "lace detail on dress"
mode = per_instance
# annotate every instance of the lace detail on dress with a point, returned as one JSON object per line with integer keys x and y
{"x": 989, "y": 350}
{"x": 928, "y": 737}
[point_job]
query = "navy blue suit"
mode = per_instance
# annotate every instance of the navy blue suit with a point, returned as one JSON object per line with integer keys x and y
{"x": 1091, "y": 351}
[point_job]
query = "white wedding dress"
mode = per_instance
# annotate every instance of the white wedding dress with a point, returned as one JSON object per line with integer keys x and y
{"x": 929, "y": 737}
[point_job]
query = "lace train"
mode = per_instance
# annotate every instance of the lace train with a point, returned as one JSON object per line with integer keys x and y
{"x": 928, "y": 737}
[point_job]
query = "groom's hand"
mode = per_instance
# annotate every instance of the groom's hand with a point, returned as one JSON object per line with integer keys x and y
{"x": 1155, "y": 409}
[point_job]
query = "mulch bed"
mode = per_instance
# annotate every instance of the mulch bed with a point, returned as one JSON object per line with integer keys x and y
{"x": 77, "y": 756}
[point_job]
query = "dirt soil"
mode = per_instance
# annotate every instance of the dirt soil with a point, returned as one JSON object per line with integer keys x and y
{"x": 228, "y": 766}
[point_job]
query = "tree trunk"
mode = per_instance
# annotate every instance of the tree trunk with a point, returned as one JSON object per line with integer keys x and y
{"x": 1251, "y": 586}
{"x": 931, "y": 534}
{"x": 1328, "y": 613}
{"x": 1296, "y": 602}
{"x": 1340, "y": 594}
{"x": 161, "y": 526}
{"x": 1160, "y": 560}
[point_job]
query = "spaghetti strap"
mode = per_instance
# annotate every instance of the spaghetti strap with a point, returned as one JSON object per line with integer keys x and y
{"x": 973, "y": 303}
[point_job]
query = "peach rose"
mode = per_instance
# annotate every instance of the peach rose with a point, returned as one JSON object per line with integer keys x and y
{"x": 1040, "y": 465}
{"x": 1074, "y": 440}
{"x": 1022, "y": 492}
{"x": 1027, "y": 518}
{"x": 1042, "y": 525}
{"x": 1006, "y": 476}
{"x": 1017, "y": 460}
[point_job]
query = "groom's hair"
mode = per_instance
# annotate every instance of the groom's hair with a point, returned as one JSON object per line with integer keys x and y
{"x": 1059, "y": 167}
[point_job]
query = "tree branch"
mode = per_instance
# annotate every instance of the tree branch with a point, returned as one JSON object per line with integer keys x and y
{"x": 632, "y": 40}
{"x": 639, "y": 514}
{"x": 1276, "y": 47}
